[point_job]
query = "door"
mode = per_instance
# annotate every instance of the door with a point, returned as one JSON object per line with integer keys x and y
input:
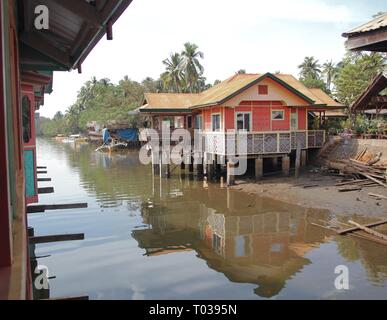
{"x": 293, "y": 121}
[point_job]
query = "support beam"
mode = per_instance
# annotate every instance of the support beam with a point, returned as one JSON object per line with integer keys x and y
{"x": 44, "y": 207}
{"x": 56, "y": 238}
{"x": 298, "y": 161}
{"x": 230, "y": 173}
{"x": 286, "y": 165}
{"x": 259, "y": 168}
{"x": 45, "y": 190}
{"x": 304, "y": 158}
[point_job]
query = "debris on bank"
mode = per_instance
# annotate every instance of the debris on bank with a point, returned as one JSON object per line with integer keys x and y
{"x": 362, "y": 171}
{"x": 356, "y": 229}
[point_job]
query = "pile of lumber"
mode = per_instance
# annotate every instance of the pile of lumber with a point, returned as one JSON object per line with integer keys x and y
{"x": 356, "y": 229}
{"x": 367, "y": 173}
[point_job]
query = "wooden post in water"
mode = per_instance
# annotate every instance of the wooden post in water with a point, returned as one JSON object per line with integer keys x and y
{"x": 230, "y": 173}
{"x": 155, "y": 163}
{"x": 304, "y": 158}
{"x": 298, "y": 161}
{"x": 258, "y": 168}
{"x": 285, "y": 165}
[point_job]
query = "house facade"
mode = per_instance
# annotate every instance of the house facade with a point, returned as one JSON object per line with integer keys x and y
{"x": 270, "y": 110}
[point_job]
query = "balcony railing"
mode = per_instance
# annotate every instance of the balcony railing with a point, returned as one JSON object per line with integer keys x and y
{"x": 222, "y": 143}
{"x": 282, "y": 142}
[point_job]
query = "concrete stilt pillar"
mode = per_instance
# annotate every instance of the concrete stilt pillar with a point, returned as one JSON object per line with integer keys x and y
{"x": 286, "y": 165}
{"x": 304, "y": 158}
{"x": 258, "y": 168}
{"x": 230, "y": 174}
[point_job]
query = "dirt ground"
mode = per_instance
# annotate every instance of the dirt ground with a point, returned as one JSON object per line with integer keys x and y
{"x": 317, "y": 190}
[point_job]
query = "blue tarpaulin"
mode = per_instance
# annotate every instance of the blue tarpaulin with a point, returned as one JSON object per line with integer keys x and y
{"x": 105, "y": 135}
{"x": 127, "y": 134}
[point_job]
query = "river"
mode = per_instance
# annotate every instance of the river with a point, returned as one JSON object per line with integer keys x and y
{"x": 181, "y": 238}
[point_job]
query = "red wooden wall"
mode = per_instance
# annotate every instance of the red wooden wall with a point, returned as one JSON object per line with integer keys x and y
{"x": 261, "y": 116}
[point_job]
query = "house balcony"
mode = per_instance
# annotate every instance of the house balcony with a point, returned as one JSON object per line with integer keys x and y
{"x": 259, "y": 143}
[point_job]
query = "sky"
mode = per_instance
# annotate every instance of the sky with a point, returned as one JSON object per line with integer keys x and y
{"x": 256, "y": 35}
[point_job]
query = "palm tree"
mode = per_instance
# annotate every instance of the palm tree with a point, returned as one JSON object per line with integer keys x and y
{"x": 310, "y": 68}
{"x": 329, "y": 71}
{"x": 172, "y": 77}
{"x": 190, "y": 65}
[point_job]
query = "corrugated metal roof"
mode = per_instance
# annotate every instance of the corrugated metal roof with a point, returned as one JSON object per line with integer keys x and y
{"x": 374, "y": 24}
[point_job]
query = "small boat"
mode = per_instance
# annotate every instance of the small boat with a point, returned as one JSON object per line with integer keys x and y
{"x": 112, "y": 147}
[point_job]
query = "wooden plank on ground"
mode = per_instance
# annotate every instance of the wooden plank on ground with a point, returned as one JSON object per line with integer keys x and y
{"x": 375, "y": 180}
{"x": 43, "y": 179}
{"x": 379, "y": 196}
{"x": 347, "y": 189}
{"x": 41, "y": 171}
{"x": 41, "y": 167}
{"x": 56, "y": 238}
{"x": 368, "y": 230}
{"x": 369, "y": 225}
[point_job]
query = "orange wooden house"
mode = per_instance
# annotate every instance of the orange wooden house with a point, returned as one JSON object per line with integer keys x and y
{"x": 271, "y": 108}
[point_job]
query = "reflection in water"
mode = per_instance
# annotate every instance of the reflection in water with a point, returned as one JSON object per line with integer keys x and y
{"x": 249, "y": 239}
{"x": 251, "y": 246}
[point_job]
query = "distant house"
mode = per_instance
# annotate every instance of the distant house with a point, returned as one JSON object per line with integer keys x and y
{"x": 272, "y": 109}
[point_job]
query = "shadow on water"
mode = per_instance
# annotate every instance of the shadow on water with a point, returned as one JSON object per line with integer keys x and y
{"x": 248, "y": 239}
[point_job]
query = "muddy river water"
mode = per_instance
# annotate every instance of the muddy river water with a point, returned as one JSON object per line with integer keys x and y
{"x": 180, "y": 238}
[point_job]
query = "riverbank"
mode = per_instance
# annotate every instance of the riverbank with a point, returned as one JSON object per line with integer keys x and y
{"x": 316, "y": 190}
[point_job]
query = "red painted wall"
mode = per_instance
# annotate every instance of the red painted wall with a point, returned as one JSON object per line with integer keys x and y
{"x": 261, "y": 116}
{"x": 302, "y": 119}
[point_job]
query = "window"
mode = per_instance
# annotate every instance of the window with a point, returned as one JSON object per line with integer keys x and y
{"x": 277, "y": 115}
{"x": 198, "y": 122}
{"x": 215, "y": 122}
{"x": 263, "y": 89}
{"x": 294, "y": 121}
{"x": 243, "y": 121}
{"x": 179, "y": 122}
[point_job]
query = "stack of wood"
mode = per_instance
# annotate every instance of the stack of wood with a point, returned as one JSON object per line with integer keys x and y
{"x": 365, "y": 173}
{"x": 356, "y": 229}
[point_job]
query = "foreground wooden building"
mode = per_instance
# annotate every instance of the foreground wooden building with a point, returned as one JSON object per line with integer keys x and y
{"x": 29, "y": 54}
{"x": 272, "y": 109}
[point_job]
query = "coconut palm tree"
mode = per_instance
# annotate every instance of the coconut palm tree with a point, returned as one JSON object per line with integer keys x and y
{"x": 329, "y": 71}
{"x": 309, "y": 68}
{"x": 172, "y": 77}
{"x": 190, "y": 65}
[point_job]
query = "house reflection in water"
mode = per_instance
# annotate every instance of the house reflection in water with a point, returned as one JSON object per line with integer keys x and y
{"x": 251, "y": 240}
